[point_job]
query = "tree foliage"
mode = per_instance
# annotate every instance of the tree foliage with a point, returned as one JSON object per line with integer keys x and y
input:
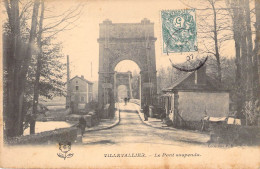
{"x": 23, "y": 31}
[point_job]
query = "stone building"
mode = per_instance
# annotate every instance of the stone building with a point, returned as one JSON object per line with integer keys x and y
{"x": 80, "y": 93}
{"x": 194, "y": 96}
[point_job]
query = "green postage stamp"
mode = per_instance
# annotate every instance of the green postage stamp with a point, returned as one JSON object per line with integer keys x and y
{"x": 179, "y": 32}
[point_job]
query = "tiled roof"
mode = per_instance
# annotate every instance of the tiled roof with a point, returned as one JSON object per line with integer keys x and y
{"x": 178, "y": 81}
{"x": 210, "y": 84}
{"x": 82, "y": 79}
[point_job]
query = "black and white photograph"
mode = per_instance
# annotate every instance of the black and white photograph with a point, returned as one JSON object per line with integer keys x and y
{"x": 130, "y": 84}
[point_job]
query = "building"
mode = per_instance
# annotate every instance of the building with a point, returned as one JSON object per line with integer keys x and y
{"x": 80, "y": 92}
{"x": 194, "y": 96}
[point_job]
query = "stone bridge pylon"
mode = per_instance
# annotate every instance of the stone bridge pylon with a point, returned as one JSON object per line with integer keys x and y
{"x": 126, "y": 41}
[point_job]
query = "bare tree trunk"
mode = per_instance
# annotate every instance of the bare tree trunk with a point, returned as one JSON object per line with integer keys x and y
{"x": 238, "y": 73}
{"x": 256, "y": 53}
{"x": 38, "y": 72}
{"x": 23, "y": 72}
{"x": 244, "y": 57}
{"x": 13, "y": 66}
{"x": 217, "y": 55}
{"x": 237, "y": 19}
{"x": 17, "y": 63}
{"x": 249, "y": 50}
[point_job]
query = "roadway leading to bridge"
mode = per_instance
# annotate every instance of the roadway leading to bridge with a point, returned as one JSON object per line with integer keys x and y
{"x": 132, "y": 130}
{"x": 143, "y": 145}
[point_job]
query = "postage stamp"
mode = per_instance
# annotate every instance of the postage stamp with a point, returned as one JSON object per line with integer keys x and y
{"x": 179, "y": 31}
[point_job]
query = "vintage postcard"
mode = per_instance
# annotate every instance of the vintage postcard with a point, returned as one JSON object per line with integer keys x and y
{"x": 130, "y": 84}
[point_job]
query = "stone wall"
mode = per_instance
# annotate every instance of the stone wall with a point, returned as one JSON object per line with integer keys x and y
{"x": 192, "y": 105}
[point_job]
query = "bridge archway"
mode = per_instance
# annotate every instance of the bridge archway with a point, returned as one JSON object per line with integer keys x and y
{"x": 130, "y": 77}
{"x": 126, "y": 41}
{"x": 122, "y": 92}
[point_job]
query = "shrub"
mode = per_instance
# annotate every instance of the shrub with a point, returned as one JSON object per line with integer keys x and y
{"x": 54, "y": 136}
{"x": 235, "y": 134}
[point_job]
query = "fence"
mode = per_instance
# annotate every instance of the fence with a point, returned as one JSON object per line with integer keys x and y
{"x": 136, "y": 101}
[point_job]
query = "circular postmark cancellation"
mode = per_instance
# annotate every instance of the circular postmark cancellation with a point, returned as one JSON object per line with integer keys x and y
{"x": 190, "y": 66}
{"x": 179, "y": 35}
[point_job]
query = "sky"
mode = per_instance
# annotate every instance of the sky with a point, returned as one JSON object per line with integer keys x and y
{"x": 81, "y": 43}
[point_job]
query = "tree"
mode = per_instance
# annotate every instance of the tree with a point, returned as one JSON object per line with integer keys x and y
{"x": 228, "y": 68}
{"x": 219, "y": 32}
{"x": 16, "y": 68}
{"x": 256, "y": 54}
{"x": 19, "y": 59}
{"x": 213, "y": 24}
{"x": 215, "y": 38}
{"x": 168, "y": 75}
{"x": 62, "y": 22}
{"x": 246, "y": 79}
{"x": 51, "y": 82}
{"x": 38, "y": 71}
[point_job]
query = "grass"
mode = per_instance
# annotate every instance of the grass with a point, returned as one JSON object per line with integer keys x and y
{"x": 55, "y": 115}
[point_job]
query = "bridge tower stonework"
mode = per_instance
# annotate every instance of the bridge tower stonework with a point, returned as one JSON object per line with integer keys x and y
{"x": 123, "y": 78}
{"x": 126, "y": 41}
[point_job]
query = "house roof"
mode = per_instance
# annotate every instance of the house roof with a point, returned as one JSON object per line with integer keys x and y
{"x": 81, "y": 79}
{"x": 210, "y": 84}
{"x": 178, "y": 81}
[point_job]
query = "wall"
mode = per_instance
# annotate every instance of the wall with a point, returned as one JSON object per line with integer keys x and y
{"x": 90, "y": 93}
{"x": 85, "y": 90}
{"x": 192, "y": 105}
{"x": 95, "y": 91}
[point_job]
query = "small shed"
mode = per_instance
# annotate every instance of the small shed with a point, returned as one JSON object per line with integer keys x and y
{"x": 194, "y": 96}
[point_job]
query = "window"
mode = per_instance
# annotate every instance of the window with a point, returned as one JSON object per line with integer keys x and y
{"x": 90, "y": 88}
{"x": 77, "y": 88}
{"x": 72, "y": 98}
{"x": 82, "y": 98}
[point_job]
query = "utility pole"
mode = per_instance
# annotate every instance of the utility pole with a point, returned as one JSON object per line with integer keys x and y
{"x": 91, "y": 69}
{"x": 68, "y": 84}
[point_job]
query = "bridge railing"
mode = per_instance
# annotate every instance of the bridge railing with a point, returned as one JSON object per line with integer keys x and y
{"x": 136, "y": 101}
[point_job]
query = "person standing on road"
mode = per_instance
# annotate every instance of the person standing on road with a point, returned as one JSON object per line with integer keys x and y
{"x": 125, "y": 101}
{"x": 82, "y": 124}
{"x": 146, "y": 112}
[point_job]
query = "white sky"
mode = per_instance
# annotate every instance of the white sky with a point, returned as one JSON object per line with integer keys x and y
{"x": 131, "y": 66}
{"x": 81, "y": 42}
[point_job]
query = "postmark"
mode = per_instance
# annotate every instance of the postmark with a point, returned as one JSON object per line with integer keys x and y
{"x": 189, "y": 66}
{"x": 179, "y": 31}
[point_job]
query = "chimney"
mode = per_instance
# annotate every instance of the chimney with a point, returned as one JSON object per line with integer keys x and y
{"x": 200, "y": 75}
{"x": 82, "y": 76}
